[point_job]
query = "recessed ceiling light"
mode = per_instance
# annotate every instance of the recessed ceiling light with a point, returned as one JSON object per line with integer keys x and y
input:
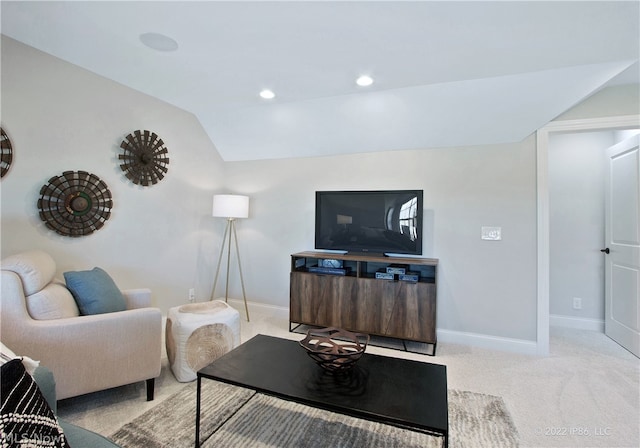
{"x": 364, "y": 81}
{"x": 267, "y": 94}
{"x": 159, "y": 42}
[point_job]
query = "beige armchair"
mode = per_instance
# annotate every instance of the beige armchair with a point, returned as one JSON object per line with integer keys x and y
{"x": 85, "y": 353}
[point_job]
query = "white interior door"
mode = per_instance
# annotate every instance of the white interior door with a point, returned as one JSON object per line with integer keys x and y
{"x": 622, "y": 227}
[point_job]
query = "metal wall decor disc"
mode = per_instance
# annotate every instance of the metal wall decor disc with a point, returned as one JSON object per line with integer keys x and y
{"x": 7, "y": 153}
{"x": 76, "y": 203}
{"x": 144, "y": 160}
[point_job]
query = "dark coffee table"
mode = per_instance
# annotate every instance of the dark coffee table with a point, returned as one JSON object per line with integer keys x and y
{"x": 399, "y": 392}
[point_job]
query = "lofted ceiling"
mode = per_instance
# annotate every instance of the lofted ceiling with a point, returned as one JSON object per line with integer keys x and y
{"x": 445, "y": 73}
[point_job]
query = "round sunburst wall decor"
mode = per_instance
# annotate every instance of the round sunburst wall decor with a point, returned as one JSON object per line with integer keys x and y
{"x": 75, "y": 203}
{"x": 7, "y": 153}
{"x": 145, "y": 160}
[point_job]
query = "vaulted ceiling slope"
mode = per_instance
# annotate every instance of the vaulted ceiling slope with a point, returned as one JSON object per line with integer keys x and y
{"x": 445, "y": 73}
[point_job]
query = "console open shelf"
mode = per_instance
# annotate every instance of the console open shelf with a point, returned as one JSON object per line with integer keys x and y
{"x": 392, "y": 297}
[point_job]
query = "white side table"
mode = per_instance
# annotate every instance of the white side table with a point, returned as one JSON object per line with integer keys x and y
{"x": 199, "y": 333}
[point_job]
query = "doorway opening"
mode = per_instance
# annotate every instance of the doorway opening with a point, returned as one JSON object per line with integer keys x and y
{"x": 543, "y": 204}
{"x": 577, "y": 176}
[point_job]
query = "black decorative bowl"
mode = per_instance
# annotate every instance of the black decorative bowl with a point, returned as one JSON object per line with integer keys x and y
{"x": 334, "y": 349}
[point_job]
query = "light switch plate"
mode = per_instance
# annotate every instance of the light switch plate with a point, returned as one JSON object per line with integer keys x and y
{"x": 491, "y": 233}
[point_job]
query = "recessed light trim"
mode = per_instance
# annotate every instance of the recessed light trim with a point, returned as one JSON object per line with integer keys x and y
{"x": 159, "y": 42}
{"x": 267, "y": 94}
{"x": 364, "y": 80}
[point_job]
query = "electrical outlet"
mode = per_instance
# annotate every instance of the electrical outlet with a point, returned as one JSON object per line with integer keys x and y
{"x": 192, "y": 295}
{"x": 577, "y": 303}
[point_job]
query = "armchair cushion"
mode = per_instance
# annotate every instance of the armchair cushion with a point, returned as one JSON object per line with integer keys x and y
{"x": 35, "y": 268}
{"x": 25, "y": 413}
{"x": 95, "y": 291}
{"x": 54, "y": 301}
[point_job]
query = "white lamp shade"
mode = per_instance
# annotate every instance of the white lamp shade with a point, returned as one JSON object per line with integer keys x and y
{"x": 230, "y": 206}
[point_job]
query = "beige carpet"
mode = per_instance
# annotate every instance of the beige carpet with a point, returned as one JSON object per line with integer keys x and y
{"x": 236, "y": 417}
{"x": 588, "y": 381}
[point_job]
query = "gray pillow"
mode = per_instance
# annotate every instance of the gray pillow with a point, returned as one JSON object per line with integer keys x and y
{"x": 94, "y": 291}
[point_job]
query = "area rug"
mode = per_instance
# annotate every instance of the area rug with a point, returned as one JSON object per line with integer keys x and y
{"x": 237, "y": 417}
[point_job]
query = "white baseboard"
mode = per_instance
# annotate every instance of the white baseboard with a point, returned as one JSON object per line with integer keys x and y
{"x": 280, "y": 311}
{"x": 521, "y": 346}
{"x": 578, "y": 323}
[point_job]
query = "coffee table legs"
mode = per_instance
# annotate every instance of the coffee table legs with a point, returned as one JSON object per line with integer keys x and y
{"x": 198, "y": 413}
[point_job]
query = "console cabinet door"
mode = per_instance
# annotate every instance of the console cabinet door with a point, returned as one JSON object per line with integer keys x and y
{"x": 323, "y": 300}
{"x": 397, "y": 309}
{"x": 413, "y": 314}
{"x": 376, "y": 299}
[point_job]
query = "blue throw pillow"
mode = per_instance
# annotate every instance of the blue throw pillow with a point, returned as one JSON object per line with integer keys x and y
{"x": 95, "y": 291}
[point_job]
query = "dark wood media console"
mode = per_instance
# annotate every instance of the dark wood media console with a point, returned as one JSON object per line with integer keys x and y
{"x": 351, "y": 297}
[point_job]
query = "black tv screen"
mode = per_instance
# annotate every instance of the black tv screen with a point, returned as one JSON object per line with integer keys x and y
{"x": 369, "y": 221}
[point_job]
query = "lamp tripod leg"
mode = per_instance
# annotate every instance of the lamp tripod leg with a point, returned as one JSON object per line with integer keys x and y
{"x": 215, "y": 281}
{"x": 226, "y": 287}
{"x": 244, "y": 295}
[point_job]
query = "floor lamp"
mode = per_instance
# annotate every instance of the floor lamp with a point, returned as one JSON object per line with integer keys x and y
{"x": 231, "y": 207}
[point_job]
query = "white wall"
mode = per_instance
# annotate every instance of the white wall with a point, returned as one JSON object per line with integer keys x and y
{"x": 485, "y": 287}
{"x": 60, "y": 117}
{"x": 609, "y": 102}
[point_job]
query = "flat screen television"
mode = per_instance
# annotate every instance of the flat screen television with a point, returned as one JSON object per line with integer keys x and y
{"x": 375, "y": 222}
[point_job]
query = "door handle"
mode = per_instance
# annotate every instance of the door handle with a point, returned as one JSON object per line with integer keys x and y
{"x": 606, "y": 250}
